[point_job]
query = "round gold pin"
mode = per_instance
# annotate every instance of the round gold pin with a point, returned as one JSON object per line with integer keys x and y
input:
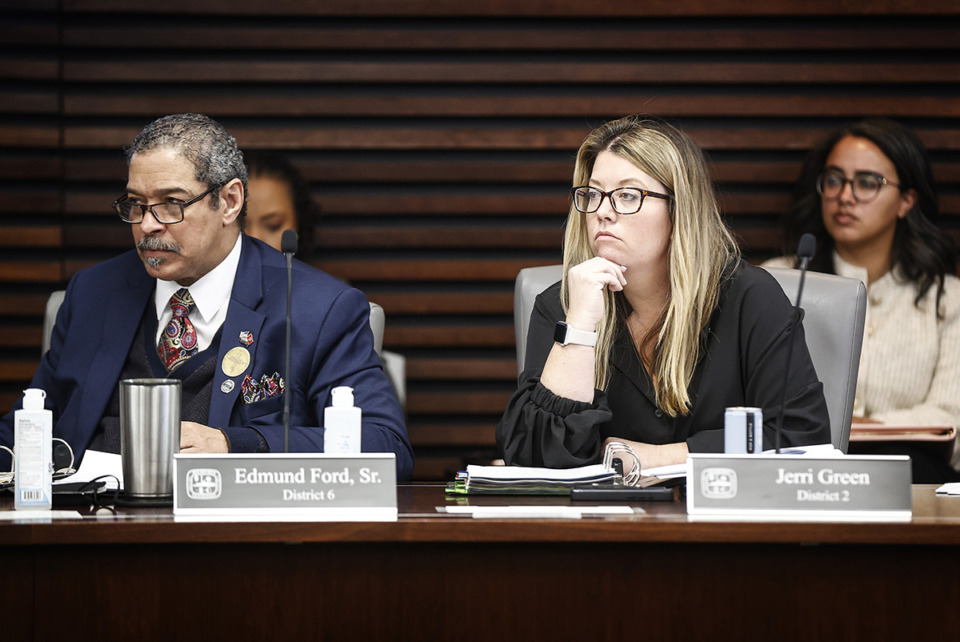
{"x": 235, "y": 362}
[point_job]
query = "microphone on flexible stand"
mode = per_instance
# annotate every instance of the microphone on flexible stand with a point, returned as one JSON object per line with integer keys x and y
{"x": 288, "y": 245}
{"x": 805, "y": 251}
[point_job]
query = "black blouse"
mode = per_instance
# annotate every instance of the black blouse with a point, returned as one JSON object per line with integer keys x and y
{"x": 742, "y": 363}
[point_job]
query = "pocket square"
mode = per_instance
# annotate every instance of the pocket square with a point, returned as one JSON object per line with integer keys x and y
{"x": 268, "y": 386}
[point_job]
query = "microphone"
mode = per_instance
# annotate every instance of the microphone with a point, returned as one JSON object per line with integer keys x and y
{"x": 805, "y": 251}
{"x": 288, "y": 245}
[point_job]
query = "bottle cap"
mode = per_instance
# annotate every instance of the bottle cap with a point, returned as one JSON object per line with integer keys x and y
{"x": 33, "y": 399}
{"x": 342, "y": 397}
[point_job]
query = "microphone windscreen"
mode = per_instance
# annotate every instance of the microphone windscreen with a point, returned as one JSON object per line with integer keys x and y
{"x": 807, "y": 247}
{"x": 288, "y": 242}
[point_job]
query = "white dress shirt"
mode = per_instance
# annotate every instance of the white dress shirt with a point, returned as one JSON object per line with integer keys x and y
{"x": 211, "y": 296}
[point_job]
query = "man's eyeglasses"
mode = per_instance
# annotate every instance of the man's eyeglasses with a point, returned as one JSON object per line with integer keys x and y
{"x": 864, "y": 185}
{"x": 625, "y": 200}
{"x": 165, "y": 213}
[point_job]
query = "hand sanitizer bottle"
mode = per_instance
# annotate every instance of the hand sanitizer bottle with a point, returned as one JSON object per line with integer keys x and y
{"x": 33, "y": 445}
{"x": 341, "y": 423}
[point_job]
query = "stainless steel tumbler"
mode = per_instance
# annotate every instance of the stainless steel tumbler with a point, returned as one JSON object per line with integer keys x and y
{"x": 149, "y": 435}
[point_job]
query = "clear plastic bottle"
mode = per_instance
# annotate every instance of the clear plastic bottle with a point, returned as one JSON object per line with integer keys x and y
{"x": 341, "y": 422}
{"x": 33, "y": 445}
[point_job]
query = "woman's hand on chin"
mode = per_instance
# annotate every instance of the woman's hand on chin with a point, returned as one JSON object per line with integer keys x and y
{"x": 586, "y": 284}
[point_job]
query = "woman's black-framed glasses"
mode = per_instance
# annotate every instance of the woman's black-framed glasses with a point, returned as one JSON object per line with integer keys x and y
{"x": 864, "y": 185}
{"x": 625, "y": 200}
{"x": 165, "y": 213}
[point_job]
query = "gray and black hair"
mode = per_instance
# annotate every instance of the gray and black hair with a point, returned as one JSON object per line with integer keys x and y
{"x": 207, "y": 144}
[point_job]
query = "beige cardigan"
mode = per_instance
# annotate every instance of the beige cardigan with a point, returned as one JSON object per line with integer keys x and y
{"x": 910, "y": 363}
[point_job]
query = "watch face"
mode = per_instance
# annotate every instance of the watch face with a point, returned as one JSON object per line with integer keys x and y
{"x": 560, "y": 333}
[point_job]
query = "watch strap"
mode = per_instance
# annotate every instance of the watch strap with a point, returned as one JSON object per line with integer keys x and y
{"x": 566, "y": 334}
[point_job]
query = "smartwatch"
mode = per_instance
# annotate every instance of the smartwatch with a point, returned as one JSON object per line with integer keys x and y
{"x": 565, "y": 334}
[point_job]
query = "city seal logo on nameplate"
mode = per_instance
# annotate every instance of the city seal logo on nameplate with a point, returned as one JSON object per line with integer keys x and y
{"x": 798, "y": 487}
{"x": 286, "y": 487}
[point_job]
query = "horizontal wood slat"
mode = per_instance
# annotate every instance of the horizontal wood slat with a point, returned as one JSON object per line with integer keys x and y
{"x": 23, "y": 304}
{"x": 458, "y": 369}
{"x": 22, "y": 336}
{"x": 28, "y": 68}
{"x": 447, "y": 434}
{"x": 35, "y": 136}
{"x": 440, "y": 237}
{"x": 18, "y": 370}
{"x": 40, "y": 271}
{"x": 642, "y": 35}
{"x": 456, "y": 169}
{"x": 435, "y": 270}
{"x": 511, "y": 103}
{"x": 453, "y": 403}
{"x": 30, "y": 236}
{"x": 418, "y": 302}
{"x": 21, "y": 202}
{"x": 427, "y": 336}
{"x": 29, "y": 102}
{"x": 499, "y": 8}
{"x": 645, "y": 71}
{"x": 452, "y": 137}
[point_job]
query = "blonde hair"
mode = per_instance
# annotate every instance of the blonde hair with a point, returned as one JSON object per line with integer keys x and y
{"x": 701, "y": 251}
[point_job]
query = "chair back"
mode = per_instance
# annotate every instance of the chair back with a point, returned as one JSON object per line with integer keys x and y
{"x": 834, "y": 312}
{"x": 530, "y": 282}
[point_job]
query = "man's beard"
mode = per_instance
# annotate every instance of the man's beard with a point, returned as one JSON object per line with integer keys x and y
{"x": 153, "y": 243}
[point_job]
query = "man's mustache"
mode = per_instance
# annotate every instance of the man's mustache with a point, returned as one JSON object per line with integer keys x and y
{"x": 153, "y": 243}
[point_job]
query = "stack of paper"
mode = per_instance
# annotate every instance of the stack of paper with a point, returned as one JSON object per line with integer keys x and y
{"x": 521, "y": 480}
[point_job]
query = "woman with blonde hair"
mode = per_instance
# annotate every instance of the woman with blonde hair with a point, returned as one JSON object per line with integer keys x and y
{"x": 657, "y": 325}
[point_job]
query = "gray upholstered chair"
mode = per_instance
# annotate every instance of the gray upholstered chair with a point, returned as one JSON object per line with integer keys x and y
{"x": 835, "y": 309}
{"x": 394, "y": 364}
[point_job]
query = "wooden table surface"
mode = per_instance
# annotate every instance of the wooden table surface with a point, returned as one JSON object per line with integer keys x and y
{"x": 141, "y": 574}
{"x": 935, "y": 521}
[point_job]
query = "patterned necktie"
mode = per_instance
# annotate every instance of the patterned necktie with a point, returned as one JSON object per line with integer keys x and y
{"x": 179, "y": 339}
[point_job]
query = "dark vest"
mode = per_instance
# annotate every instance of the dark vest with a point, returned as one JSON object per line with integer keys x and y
{"x": 195, "y": 375}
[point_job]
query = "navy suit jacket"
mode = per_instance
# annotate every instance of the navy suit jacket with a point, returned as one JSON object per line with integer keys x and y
{"x": 331, "y": 346}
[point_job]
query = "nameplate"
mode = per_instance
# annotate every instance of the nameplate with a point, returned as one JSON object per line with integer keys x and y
{"x": 286, "y": 487}
{"x": 796, "y": 487}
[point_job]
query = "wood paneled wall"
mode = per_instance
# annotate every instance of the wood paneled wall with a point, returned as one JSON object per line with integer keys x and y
{"x": 438, "y": 137}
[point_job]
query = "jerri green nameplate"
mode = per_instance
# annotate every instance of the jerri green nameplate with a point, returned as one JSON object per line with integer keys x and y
{"x": 798, "y": 487}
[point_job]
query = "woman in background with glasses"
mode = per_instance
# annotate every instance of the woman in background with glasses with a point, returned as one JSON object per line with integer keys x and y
{"x": 867, "y": 193}
{"x": 657, "y": 325}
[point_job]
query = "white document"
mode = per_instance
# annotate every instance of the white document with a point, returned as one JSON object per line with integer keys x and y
{"x": 949, "y": 489}
{"x": 530, "y": 472}
{"x": 96, "y": 463}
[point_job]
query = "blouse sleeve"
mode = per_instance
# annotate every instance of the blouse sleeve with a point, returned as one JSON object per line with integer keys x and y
{"x": 539, "y": 428}
{"x": 942, "y": 403}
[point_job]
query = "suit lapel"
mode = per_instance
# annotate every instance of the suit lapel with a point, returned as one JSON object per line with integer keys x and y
{"x": 242, "y": 315}
{"x": 122, "y": 315}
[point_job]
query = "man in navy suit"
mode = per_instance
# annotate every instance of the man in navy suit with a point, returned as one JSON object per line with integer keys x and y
{"x": 199, "y": 301}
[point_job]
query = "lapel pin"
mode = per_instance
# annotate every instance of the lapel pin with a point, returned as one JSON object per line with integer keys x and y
{"x": 235, "y": 362}
{"x": 246, "y": 337}
{"x": 227, "y": 386}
